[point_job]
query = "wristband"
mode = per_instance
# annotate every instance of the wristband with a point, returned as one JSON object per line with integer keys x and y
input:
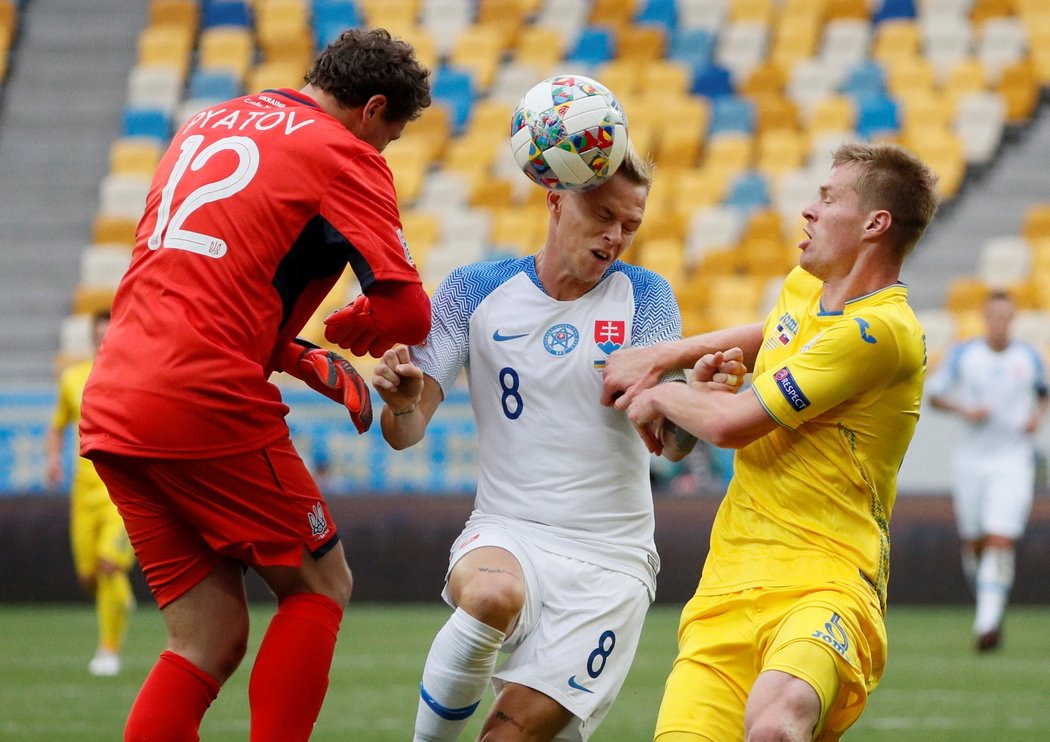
{"x": 395, "y": 413}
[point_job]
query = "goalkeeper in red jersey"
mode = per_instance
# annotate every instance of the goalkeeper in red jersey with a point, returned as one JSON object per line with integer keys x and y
{"x": 256, "y": 209}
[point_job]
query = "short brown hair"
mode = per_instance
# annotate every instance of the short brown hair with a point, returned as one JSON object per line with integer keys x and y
{"x": 362, "y": 63}
{"x": 893, "y": 179}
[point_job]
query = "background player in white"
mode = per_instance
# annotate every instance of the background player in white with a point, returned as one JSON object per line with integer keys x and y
{"x": 557, "y": 563}
{"x": 998, "y": 386}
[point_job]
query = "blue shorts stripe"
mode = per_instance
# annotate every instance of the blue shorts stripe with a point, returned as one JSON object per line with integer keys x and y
{"x": 446, "y": 713}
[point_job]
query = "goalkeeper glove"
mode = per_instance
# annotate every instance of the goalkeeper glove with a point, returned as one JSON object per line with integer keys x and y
{"x": 355, "y": 327}
{"x": 331, "y": 375}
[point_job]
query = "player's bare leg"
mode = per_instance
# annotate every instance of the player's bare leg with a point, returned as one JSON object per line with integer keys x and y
{"x": 488, "y": 587}
{"x": 523, "y": 714}
{"x": 781, "y": 707}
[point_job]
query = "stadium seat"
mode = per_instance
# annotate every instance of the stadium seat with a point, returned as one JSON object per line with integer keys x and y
{"x": 123, "y": 194}
{"x": 813, "y": 80}
{"x": 865, "y": 78}
{"x": 226, "y": 13}
{"x": 877, "y": 116}
{"x": 478, "y": 49}
{"x": 701, "y": 14}
{"x": 760, "y": 11}
{"x": 732, "y": 113}
{"x": 715, "y": 227}
{"x": 274, "y": 75}
{"x": 138, "y": 121}
{"x": 693, "y": 47}
{"x": 614, "y": 14}
{"x": 330, "y": 18}
{"x": 980, "y": 118}
{"x": 748, "y": 191}
{"x": 1020, "y": 92}
{"x": 774, "y": 111}
{"x": 780, "y": 150}
{"x": 641, "y": 43}
{"x": 681, "y": 131}
{"x": 663, "y": 13}
{"x": 943, "y": 153}
{"x": 1002, "y": 41}
{"x": 906, "y": 75}
{"x": 896, "y": 39}
{"x": 213, "y": 84}
{"x": 135, "y": 155}
{"x": 184, "y": 13}
{"x": 795, "y": 39}
{"x": 892, "y": 10}
{"x": 1035, "y": 225}
{"x": 454, "y": 88}
{"x": 1003, "y": 262}
{"x": 166, "y": 45}
{"x": 155, "y": 86}
{"x": 540, "y": 46}
{"x": 112, "y": 229}
{"x": 946, "y": 40}
{"x": 102, "y": 266}
{"x": 282, "y": 28}
{"x": 713, "y": 81}
{"x": 833, "y": 113}
{"x": 846, "y": 41}
{"x": 964, "y": 294}
{"x": 594, "y": 46}
{"x": 792, "y": 192}
{"x": 229, "y": 48}
{"x": 938, "y": 326}
{"x": 741, "y": 48}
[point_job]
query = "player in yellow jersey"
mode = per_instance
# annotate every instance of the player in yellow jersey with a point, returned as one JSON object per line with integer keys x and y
{"x": 102, "y": 554}
{"x": 785, "y": 637}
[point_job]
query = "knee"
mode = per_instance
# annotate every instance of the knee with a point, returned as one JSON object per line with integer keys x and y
{"x": 229, "y": 657}
{"x": 784, "y": 726}
{"x": 496, "y": 602}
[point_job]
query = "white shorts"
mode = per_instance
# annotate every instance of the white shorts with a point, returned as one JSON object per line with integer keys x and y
{"x": 578, "y": 631}
{"x": 993, "y": 495}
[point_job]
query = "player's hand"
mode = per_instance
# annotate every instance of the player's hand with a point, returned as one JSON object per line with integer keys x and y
{"x": 355, "y": 327}
{"x": 646, "y": 419}
{"x": 332, "y": 375}
{"x": 627, "y": 372}
{"x": 53, "y": 471}
{"x": 398, "y": 381}
{"x": 723, "y": 370}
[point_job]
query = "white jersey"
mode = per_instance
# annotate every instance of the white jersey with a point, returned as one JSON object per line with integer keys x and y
{"x": 1008, "y": 383}
{"x": 571, "y": 475}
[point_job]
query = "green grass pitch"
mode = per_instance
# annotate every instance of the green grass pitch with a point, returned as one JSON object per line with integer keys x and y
{"x": 935, "y": 687}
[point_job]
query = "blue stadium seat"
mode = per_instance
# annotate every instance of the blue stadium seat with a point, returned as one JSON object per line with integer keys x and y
{"x": 866, "y": 78}
{"x": 732, "y": 113}
{"x": 594, "y": 46}
{"x": 894, "y": 9}
{"x": 694, "y": 47}
{"x": 455, "y": 89}
{"x": 332, "y": 17}
{"x": 226, "y": 13}
{"x": 146, "y": 122}
{"x": 659, "y": 12}
{"x": 713, "y": 81}
{"x": 876, "y": 115}
{"x": 748, "y": 191}
{"x": 213, "y": 84}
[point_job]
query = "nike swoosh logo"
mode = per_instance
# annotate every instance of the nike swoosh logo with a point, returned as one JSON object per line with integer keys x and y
{"x": 500, "y": 338}
{"x": 577, "y": 686}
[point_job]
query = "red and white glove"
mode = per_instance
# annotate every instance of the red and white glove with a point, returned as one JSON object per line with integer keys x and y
{"x": 355, "y": 327}
{"x": 332, "y": 375}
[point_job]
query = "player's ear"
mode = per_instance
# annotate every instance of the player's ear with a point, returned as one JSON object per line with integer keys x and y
{"x": 554, "y": 202}
{"x": 878, "y": 223}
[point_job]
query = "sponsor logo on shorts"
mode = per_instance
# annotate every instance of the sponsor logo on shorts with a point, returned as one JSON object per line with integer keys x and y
{"x": 577, "y": 686}
{"x": 318, "y": 522}
{"x": 834, "y": 635}
{"x": 790, "y": 389}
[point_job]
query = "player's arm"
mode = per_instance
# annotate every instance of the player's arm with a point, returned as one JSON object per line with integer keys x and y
{"x": 411, "y": 398}
{"x": 389, "y": 312}
{"x": 630, "y": 370}
{"x": 56, "y": 435}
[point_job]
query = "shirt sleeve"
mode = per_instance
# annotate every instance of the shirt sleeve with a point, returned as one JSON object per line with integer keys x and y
{"x": 850, "y": 357}
{"x": 361, "y": 205}
{"x": 443, "y": 354}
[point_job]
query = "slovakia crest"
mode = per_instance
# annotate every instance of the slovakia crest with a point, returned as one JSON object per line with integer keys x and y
{"x": 609, "y": 334}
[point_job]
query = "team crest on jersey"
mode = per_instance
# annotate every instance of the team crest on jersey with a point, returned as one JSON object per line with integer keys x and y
{"x": 561, "y": 339}
{"x": 404, "y": 246}
{"x": 609, "y": 334}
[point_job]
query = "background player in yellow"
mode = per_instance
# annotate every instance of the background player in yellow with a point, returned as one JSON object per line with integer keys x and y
{"x": 785, "y": 637}
{"x": 102, "y": 554}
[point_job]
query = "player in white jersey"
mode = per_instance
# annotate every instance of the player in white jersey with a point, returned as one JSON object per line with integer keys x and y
{"x": 998, "y": 386}
{"x": 557, "y": 564}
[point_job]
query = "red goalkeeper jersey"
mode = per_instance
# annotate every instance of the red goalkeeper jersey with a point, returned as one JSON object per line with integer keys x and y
{"x": 255, "y": 210}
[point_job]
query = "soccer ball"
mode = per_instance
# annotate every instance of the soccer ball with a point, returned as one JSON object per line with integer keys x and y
{"x": 568, "y": 133}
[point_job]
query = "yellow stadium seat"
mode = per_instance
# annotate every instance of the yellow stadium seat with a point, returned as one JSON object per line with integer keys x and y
{"x": 965, "y": 293}
{"x": 624, "y": 78}
{"x": 681, "y": 132}
{"x": 92, "y": 299}
{"x": 943, "y": 151}
{"x": 408, "y": 162}
{"x": 433, "y": 127}
{"x": 518, "y": 228}
{"x": 1036, "y": 223}
{"x": 834, "y": 113}
{"x": 397, "y": 16}
{"x": 846, "y": 9}
{"x": 982, "y": 10}
{"x": 228, "y": 48}
{"x": 775, "y": 111}
{"x": 740, "y": 292}
{"x": 166, "y": 45}
{"x": 615, "y": 13}
{"x": 184, "y": 13}
{"x": 965, "y": 76}
{"x": 667, "y": 77}
{"x": 641, "y": 42}
{"x": 767, "y": 78}
{"x": 664, "y": 257}
{"x": 1020, "y": 91}
{"x": 134, "y": 155}
{"x": 479, "y": 50}
{"x": 781, "y": 150}
{"x": 907, "y": 74}
{"x": 897, "y": 38}
{"x": 540, "y": 46}
{"x": 795, "y": 38}
{"x": 114, "y": 229}
{"x": 760, "y": 11}
{"x": 662, "y": 224}
{"x": 272, "y": 75}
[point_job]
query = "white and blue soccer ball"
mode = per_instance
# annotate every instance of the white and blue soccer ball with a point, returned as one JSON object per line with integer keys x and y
{"x": 569, "y": 133}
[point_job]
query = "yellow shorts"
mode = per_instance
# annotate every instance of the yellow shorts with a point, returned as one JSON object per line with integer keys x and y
{"x": 97, "y": 533}
{"x": 831, "y": 635}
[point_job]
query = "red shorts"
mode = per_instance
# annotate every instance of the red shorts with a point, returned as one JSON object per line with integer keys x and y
{"x": 261, "y": 508}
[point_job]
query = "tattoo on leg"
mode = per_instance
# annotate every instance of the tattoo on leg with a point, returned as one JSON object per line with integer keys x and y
{"x": 494, "y": 571}
{"x": 510, "y": 720}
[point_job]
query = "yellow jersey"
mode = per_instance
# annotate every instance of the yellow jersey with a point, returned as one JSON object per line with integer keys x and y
{"x": 86, "y": 485}
{"x": 811, "y": 501}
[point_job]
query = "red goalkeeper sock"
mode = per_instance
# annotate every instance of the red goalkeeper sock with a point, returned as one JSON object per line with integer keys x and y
{"x": 290, "y": 676}
{"x": 171, "y": 703}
